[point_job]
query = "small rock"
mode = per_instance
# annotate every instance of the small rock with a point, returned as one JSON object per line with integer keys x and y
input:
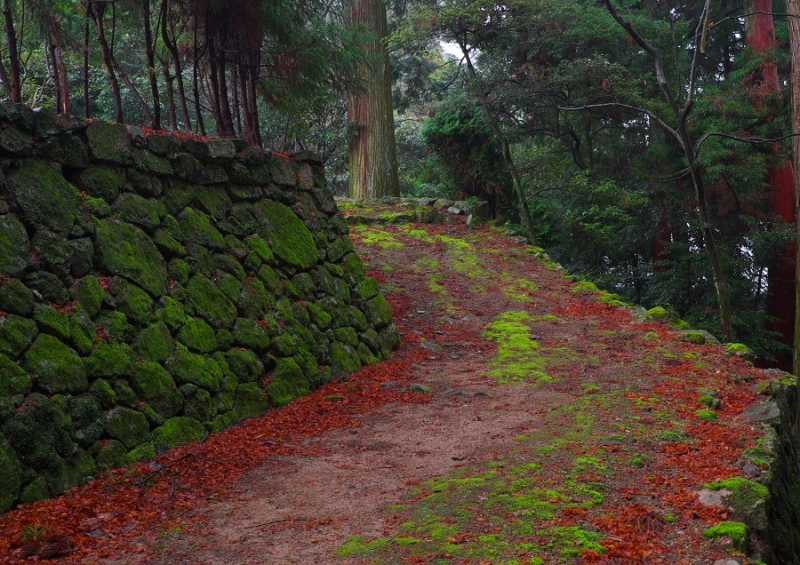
{"x": 416, "y": 387}
{"x": 767, "y": 412}
{"x": 713, "y": 497}
{"x": 726, "y": 562}
{"x": 456, "y": 211}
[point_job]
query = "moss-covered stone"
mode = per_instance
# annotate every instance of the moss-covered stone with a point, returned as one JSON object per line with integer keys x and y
{"x": 155, "y": 386}
{"x": 143, "y": 452}
{"x": 15, "y": 297}
{"x": 38, "y": 432}
{"x": 102, "y": 182}
{"x": 344, "y": 358}
{"x": 748, "y": 498}
{"x": 44, "y": 197}
{"x": 109, "y": 359}
{"x": 137, "y": 210}
{"x": 125, "y": 250}
{"x": 55, "y": 367}
{"x": 14, "y": 246}
{"x": 172, "y": 312}
{"x": 87, "y": 419}
{"x": 318, "y": 316}
{"x": 11, "y": 472}
{"x": 179, "y": 271}
{"x": 211, "y": 303}
{"x": 245, "y": 364}
{"x": 196, "y": 227}
{"x": 168, "y": 245}
{"x": 370, "y": 338}
{"x": 187, "y": 367}
{"x": 198, "y": 404}
{"x": 286, "y": 383}
{"x": 271, "y": 280}
{"x": 308, "y": 364}
{"x": 251, "y": 401}
{"x": 125, "y": 394}
{"x": 228, "y": 284}
{"x": 81, "y": 256}
{"x": 250, "y": 334}
{"x": 147, "y": 162}
{"x": 378, "y": 312}
{"x": 367, "y": 288}
{"x": 353, "y": 268}
{"x": 346, "y": 335}
{"x": 101, "y": 389}
{"x": 198, "y": 336}
{"x": 260, "y": 247}
{"x": 47, "y": 286}
{"x": 284, "y": 345}
{"x": 366, "y": 356}
{"x": 291, "y": 241}
{"x": 16, "y": 334}
{"x": 112, "y": 454}
{"x": 389, "y": 339}
{"x": 109, "y": 142}
{"x": 737, "y": 532}
{"x": 97, "y": 207}
{"x": 52, "y": 321}
{"x": 34, "y": 492}
{"x": 154, "y": 343}
{"x": 13, "y": 378}
{"x": 52, "y": 252}
{"x": 214, "y": 201}
{"x": 127, "y": 425}
{"x": 338, "y": 248}
{"x": 177, "y": 431}
{"x": 254, "y": 301}
{"x": 225, "y": 398}
{"x": 90, "y": 294}
{"x": 113, "y": 325}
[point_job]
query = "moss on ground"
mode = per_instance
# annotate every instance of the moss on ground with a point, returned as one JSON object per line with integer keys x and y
{"x": 518, "y": 357}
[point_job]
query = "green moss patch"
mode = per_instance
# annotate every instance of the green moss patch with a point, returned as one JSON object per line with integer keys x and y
{"x": 737, "y": 532}
{"x": 211, "y": 303}
{"x": 14, "y": 246}
{"x": 56, "y": 368}
{"x": 44, "y": 196}
{"x": 177, "y": 431}
{"x": 286, "y": 383}
{"x": 126, "y": 250}
{"x": 291, "y": 241}
{"x": 518, "y": 357}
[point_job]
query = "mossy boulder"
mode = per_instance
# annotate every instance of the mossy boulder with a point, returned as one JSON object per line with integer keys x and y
{"x": 210, "y": 302}
{"x": 112, "y": 454}
{"x": 319, "y": 316}
{"x": 260, "y": 247}
{"x": 338, "y": 248}
{"x": 11, "y": 472}
{"x": 346, "y": 335}
{"x": 177, "y": 431}
{"x": 254, "y": 301}
{"x": 251, "y": 334}
{"x": 102, "y": 182}
{"x": 229, "y": 284}
{"x": 109, "y": 359}
{"x": 14, "y": 246}
{"x": 16, "y": 334}
{"x": 250, "y": 401}
{"x": 366, "y": 356}
{"x": 13, "y": 378}
{"x": 125, "y": 250}
{"x": 198, "y": 336}
{"x": 109, "y": 142}
{"x": 155, "y": 386}
{"x": 90, "y": 294}
{"x": 154, "y": 343}
{"x": 389, "y": 339}
{"x": 52, "y": 321}
{"x": 737, "y": 532}
{"x": 344, "y": 358}
{"x": 272, "y": 282}
{"x": 353, "y": 269}
{"x": 198, "y": 404}
{"x": 245, "y": 364}
{"x": 748, "y": 498}
{"x": 52, "y": 252}
{"x": 196, "y": 227}
{"x": 103, "y": 392}
{"x": 114, "y": 325}
{"x": 87, "y": 419}
{"x": 137, "y": 210}
{"x": 367, "y": 288}
{"x": 291, "y": 240}
{"x": 48, "y": 286}
{"x": 284, "y": 345}
{"x": 172, "y": 312}
{"x": 127, "y": 425}
{"x": 15, "y": 297}
{"x": 286, "y": 383}
{"x": 44, "y": 196}
{"x": 195, "y": 369}
{"x": 55, "y": 367}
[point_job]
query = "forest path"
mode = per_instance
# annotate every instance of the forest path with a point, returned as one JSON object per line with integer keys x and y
{"x": 524, "y": 419}
{"x": 583, "y": 446}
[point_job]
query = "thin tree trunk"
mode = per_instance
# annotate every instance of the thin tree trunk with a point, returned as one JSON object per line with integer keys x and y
{"x": 97, "y": 10}
{"x": 793, "y": 9}
{"x": 150, "y": 45}
{"x": 168, "y": 78}
{"x": 15, "y": 93}
{"x": 507, "y": 158}
{"x": 176, "y": 61}
{"x": 373, "y": 152}
{"x": 86, "y": 112}
{"x": 52, "y": 71}
{"x": 222, "y": 94}
{"x": 60, "y": 71}
{"x": 195, "y": 86}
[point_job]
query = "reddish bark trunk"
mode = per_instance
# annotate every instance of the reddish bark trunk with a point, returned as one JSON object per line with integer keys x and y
{"x": 760, "y": 35}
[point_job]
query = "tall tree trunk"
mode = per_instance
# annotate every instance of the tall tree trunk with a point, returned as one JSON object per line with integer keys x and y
{"x": 373, "y": 152}
{"x": 198, "y": 53}
{"x": 760, "y": 36}
{"x": 86, "y": 112}
{"x": 97, "y": 9}
{"x": 60, "y": 71}
{"x": 793, "y": 9}
{"x": 169, "y": 79}
{"x": 176, "y": 61}
{"x": 15, "y": 93}
{"x": 150, "y": 46}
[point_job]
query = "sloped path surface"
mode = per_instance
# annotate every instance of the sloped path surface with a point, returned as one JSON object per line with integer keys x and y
{"x": 523, "y": 420}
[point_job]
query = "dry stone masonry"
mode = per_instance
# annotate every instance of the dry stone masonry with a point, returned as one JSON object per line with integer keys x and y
{"x": 154, "y": 287}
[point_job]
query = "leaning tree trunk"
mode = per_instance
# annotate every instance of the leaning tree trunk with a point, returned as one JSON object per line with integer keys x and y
{"x": 97, "y": 11}
{"x": 760, "y": 36}
{"x": 373, "y": 153}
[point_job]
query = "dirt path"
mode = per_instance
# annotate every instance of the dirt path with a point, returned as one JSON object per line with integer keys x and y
{"x": 524, "y": 419}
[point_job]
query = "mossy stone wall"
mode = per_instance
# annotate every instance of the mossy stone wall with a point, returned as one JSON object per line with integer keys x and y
{"x": 154, "y": 288}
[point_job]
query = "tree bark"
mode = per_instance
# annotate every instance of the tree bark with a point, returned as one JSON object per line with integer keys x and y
{"x": 793, "y": 9}
{"x": 176, "y": 61}
{"x": 15, "y": 93}
{"x": 86, "y": 112}
{"x": 97, "y": 10}
{"x": 149, "y": 45}
{"x": 373, "y": 153}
